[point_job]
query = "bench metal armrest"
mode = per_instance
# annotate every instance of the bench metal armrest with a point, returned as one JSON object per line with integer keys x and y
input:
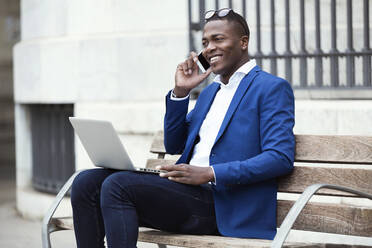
{"x": 296, "y": 209}
{"x": 47, "y": 226}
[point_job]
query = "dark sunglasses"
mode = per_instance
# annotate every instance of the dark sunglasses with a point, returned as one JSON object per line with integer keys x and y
{"x": 220, "y": 13}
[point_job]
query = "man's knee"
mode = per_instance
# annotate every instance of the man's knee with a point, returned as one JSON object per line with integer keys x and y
{"x": 84, "y": 185}
{"x": 116, "y": 188}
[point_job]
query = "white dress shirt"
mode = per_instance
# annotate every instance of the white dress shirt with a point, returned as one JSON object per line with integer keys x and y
{"x": 214, "y": 118}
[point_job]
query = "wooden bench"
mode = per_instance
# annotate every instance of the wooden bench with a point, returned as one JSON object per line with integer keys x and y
{"x": 306, "y": 179}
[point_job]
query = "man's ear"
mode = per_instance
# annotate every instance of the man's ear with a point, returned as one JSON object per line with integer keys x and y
{"x": 244, "y": 42}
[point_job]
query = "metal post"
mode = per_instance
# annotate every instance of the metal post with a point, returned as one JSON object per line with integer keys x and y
{"x": 258, "y": 30}
{"x": 191, "y": 37}
{"x": 318, "y": 50}
{"x": 273, "y": 53}
{"x": 350, "y": 60}
{"x": 288, "y": 52}
{"x": 244, "y": 8}
{"x": 366, "y": 48}
{"x": 334, "y": 51}
{"x": 201, "y": 13}
{"x": 303, "y": 59}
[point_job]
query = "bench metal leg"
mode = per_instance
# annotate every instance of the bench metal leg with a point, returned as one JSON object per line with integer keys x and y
{"x": 47, "y": 226}
{"x": 162, "y": 246}
{"x": 296, "y": 209}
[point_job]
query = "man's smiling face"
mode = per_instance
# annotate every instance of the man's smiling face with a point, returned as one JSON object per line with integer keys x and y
{"x": 224, "y": 47}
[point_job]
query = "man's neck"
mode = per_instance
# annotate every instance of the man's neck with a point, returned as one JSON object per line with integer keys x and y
{"x": 225, "y": 78}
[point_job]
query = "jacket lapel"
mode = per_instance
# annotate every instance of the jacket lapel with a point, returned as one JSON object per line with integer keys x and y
{"x": 201, "y": 113}
{"x": 240, "y": 92}
{"x": 206, "y": 104}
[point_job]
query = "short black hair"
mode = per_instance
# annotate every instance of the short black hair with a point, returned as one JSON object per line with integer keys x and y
{"x": 238, "y": 20}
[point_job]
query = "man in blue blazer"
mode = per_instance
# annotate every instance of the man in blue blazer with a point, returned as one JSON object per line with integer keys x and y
{"x": 235, "y": 142}
{"x": 238, "y": 137}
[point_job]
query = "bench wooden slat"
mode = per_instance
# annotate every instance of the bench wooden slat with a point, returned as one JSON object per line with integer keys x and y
{"x": 303, "y": 176}
{"x": 157, "y": 145}
{"x": 65, "y": 223}
{"x": 317, "y": 148}
{"x": 330, "y": 218}
{"x": 334, "y": 149}
{"x": 207, "y": 241}
{"x": 153, "y": 162}
{"x": 195, "y": 241}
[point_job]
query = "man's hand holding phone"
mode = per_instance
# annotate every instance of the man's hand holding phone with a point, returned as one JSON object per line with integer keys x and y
{"x": 188, "y": 77}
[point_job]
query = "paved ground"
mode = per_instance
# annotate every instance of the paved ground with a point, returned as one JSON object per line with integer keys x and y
{"x": 15, "y": 231}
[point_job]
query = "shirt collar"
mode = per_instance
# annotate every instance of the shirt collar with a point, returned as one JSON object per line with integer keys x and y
{"x": 242, "y": 71}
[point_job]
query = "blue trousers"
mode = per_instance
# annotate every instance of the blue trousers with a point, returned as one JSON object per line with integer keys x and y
{"x": 115, "y": 203}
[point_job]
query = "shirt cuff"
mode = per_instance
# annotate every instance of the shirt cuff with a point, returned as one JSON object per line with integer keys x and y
{"x": 214, "y": 176}
{"x": 174, "y": 98}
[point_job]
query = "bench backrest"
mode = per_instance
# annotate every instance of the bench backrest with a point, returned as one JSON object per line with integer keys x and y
{"x": 313, "y": 151}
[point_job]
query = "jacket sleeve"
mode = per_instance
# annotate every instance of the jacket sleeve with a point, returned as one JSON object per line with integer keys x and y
{"x": 176, "y": 123}
{"x": 276, "y": 115}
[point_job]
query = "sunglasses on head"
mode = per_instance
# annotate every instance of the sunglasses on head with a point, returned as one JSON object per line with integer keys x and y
{"x": 223, "y": 13}
{"x": 220, "y": 13}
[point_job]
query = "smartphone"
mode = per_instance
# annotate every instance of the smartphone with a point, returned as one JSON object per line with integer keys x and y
{"x": 202, "y": 62}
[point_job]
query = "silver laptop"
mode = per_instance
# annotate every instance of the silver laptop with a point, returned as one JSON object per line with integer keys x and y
{"x": 103, "y": 145}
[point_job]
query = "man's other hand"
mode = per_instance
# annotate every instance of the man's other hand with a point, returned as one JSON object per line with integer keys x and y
{"x": 187, "y": 76}
{"x": 187, "y": 174}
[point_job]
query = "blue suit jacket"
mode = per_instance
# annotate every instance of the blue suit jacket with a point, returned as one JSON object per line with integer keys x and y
{"x": 254, "y": 146}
